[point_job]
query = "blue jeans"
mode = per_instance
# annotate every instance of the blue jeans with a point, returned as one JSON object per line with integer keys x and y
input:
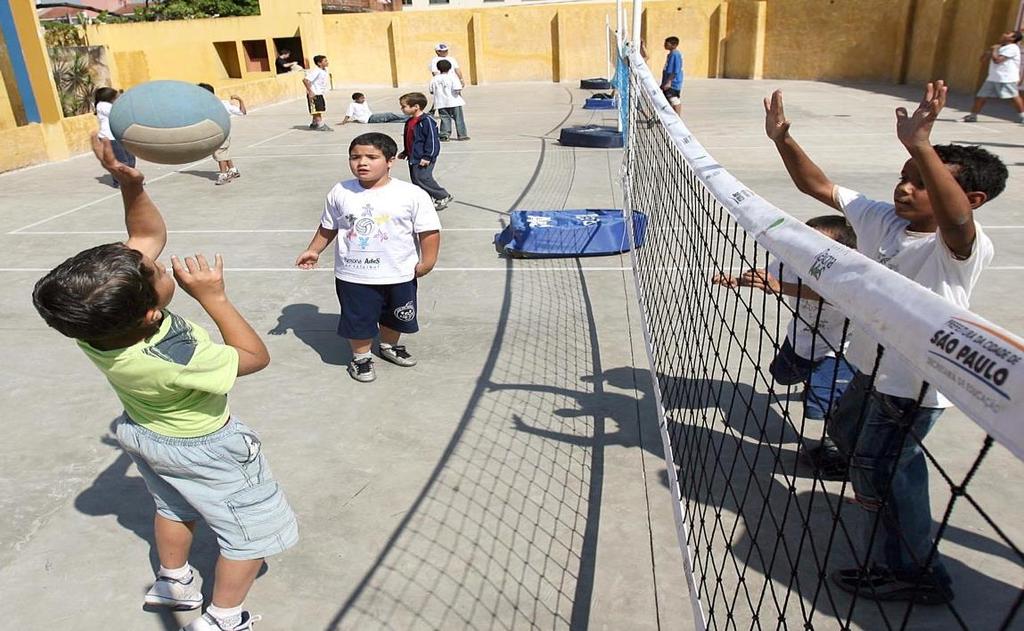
{"x": 387, "y": 117}
{"x": 423, "y": 177}
{"x": 824, "y": 380}
{"x": 447, "y": 115}
{"x": 889, "y": 475}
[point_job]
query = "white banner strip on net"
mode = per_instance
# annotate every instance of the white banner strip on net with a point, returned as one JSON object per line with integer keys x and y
{"x": 976, "y": 364}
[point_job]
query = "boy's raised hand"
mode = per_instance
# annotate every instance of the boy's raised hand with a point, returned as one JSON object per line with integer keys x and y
{"x": 104, "y": 152}
{"x": 915, "y": 129}
{"x": 775, "y": 123}
{"x": 198, "y": 279}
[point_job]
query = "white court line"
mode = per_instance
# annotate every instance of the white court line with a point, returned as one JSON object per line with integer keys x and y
{"x": 254, "y": 231}
{"x": 443, "y": 153}
{"x": 997, "y": 268}
{"x": 103, "y": 199}
{"x": 331, "y": 269}
{"x": 284, "y": 133}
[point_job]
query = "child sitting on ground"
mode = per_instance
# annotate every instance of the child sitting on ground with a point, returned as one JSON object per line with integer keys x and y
{"x": 422, "y": 147}
{"x": 359, "y": 112}
{"x": 222, "y": 155}
{"x": 814, "y": 336}
{"x": 389, "y": 237}
{"x": 104, "y": 100}
{"x": 928, "y": 234}
{"x": 197, "y": 460}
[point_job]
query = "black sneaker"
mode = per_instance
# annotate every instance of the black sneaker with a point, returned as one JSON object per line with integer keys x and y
{"x": 397, "y": 355}
{"x": 827, "y": 461}
{"x": 879, "y": 583}
{"x": 362, "y": 370}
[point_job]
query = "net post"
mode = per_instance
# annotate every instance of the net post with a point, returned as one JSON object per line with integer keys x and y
{"x": 636, "y": 34}
{"x": 607, "y": 46}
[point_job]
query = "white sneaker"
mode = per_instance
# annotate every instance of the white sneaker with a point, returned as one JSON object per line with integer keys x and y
{"x": 206, "y": 622}
{"x": 178, "y": 595}
{"x": 223, "y": 178}
{"x": 233, "y": 173}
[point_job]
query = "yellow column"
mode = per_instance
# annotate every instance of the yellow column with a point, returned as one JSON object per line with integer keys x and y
{"x": 33, "y": 47}
{"x": 762, "y": 27}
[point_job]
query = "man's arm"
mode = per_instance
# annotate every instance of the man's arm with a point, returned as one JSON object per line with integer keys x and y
{"x": 952, "y": 208}
{"x": 241, "y": 103}
{"x": 430, "y": 243}
{"x": 206, "y": 285}
{"x": 806, "y": 175}
{"x": 322, "y": 238}
{"x": 458, "y": 73}
{"x": 147, "y": 232}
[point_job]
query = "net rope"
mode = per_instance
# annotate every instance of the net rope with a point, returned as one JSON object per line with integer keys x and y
{"x": 769, "y": 539}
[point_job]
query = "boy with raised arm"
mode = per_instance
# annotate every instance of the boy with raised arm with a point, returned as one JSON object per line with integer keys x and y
{"x": 386, "y": 235}
{"x": 197, "y": 460}
{"x": 928, "y": 234}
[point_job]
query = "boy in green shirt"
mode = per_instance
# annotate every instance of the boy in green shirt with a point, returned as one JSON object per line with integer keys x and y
{"x": 196, "y": 459}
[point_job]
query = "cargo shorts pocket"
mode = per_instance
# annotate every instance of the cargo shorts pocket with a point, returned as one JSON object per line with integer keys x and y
{"x": 261, "y": 511}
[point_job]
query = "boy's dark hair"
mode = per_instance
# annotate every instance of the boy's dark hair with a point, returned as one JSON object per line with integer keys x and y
{"x": 836, "y": 227}
{"x": 317, "y": 59}
{"x": 1017, "y": 36}
{"x": 977, "y": 170}
{"x": 672, "y": 39}
{"x": 414, "y": 98}
{"x": 206, "y": 86}
{"x": 356, "y": 95}
{"x": 96, "y": 294}
{"x": 284, "y": 51}
{"x": 104, "y": 95}
{"x": 444, "y": 65}
{"x": 385, "y": 143}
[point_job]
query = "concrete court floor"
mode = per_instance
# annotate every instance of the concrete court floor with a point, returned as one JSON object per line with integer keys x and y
{"x": 497, "y": 485}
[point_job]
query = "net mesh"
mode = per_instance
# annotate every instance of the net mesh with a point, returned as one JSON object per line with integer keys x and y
{"x": 773, "y": 533}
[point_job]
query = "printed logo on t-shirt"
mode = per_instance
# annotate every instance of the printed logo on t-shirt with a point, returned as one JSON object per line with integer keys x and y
{"x": 365, "y": 228}
{"x": 406, "y": 312}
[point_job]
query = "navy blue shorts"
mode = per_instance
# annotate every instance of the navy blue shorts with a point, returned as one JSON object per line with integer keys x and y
{"x": 825, "y": 380}
{"x": 364, "y": 307}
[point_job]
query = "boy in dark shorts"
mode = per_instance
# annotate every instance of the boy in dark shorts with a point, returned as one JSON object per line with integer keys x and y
{"x": 317, "y": 82}
{"x": 672, "y": 74}
{"x": 197, "y": 460}
{"x": 387, "y": 235}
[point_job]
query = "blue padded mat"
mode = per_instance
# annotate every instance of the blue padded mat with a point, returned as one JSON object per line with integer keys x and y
{"x": 568, "y": 233}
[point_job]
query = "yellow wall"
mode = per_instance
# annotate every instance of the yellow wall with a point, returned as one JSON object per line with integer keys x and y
{"x": 7, "y": 119}
{"x": 851, "y": 40}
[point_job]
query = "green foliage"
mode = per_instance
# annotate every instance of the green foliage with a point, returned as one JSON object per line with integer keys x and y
{"x": 189, "y": 9}
{"x": 74, "y": 80}
{"x": 63, "y": 34}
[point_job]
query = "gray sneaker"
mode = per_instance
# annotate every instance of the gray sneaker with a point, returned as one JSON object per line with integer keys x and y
{"x": 970, "y": 118}
{"x": 362, "y": 370}
{"x": 206, "y": 622}
{"x": 324, "y": 127}
{"x": 441, "y": 204}
{"x": 397, "y": 355}
{"x": 178, "y": 595}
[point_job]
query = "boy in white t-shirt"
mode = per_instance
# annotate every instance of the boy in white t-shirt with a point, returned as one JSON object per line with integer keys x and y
{"x": 812, "y": 353}
{"x": 447, "y": 91}
{"x": 226, "y": 166}
{"x": 1003, "y": 78}
{"x": 103, "y": 100}
{"x": 928, "y": 234}
{"x": 388, "y": 235}
{"x": 317, "y": 82}
{"x": 359, "y": 112}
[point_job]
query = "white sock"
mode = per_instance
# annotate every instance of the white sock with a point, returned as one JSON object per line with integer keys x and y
{"x": 179, "y": 574}
{"x": 362, "y": 356}
{"x": 384, "y": 346}
{"x": 227, "y": 618}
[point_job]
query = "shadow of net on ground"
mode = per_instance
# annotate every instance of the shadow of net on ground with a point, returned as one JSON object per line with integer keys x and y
{"x": 503, "y": 533}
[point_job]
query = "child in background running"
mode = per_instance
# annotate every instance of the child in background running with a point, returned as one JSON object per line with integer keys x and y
{"x": 104, "y": 99}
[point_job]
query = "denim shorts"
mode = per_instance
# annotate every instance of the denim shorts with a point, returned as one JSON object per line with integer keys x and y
{"x": 223, "y": 478}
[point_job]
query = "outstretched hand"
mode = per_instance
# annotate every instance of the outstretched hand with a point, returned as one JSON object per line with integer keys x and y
{"x": 198, "y": 279}
{"x": 915, "y": 129}
{"x": 756, "y": 278}
{"x": 104, "y": 152}
{"x": 775, "y": 123}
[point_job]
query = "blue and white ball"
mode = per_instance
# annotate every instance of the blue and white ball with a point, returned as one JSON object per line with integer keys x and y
{"x": 170, "y": 122}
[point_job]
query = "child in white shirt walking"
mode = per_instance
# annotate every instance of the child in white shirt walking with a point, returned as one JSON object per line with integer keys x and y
{"x": 222, "y": 155}
{"x": 447, "y": 91}
{"x": 104, "y": 99}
